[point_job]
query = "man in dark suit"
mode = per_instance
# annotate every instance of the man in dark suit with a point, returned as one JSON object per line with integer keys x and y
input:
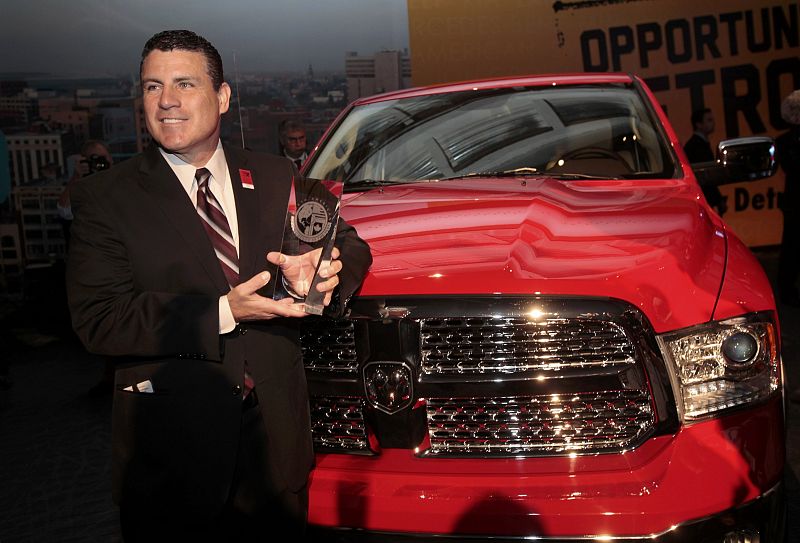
{"x": 293, "y": 141}
{"x": 698, "y": 149}
{"x": 788, "y": 152}
{"x": 170, "y": 256}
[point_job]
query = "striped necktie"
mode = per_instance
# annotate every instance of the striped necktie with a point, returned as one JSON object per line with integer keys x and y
{"x": 216, "y": 225}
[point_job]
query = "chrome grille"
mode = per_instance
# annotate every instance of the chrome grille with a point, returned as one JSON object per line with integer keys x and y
{"x": 329, "y": 345}
{"x": 516, "y": 375}
{"x": 337, "y": 424}
{"x": 537, "y": 425}
{"x": 473, "y": 345}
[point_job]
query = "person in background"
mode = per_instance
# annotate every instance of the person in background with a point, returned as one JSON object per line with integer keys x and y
{"x": 788, "y": 155}
{"x": 293, "y": 142}
{"x": 49, "y": 172}
{"x": 171, "y": 270}
{"x": 698, "y": 149}
{"x": 94, "y": 157}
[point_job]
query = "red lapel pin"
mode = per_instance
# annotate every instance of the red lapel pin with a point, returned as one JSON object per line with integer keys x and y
{"x": 247, "y": 179}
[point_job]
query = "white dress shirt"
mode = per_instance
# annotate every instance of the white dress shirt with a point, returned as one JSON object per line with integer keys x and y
{"x": 297, "y": 161}
{"x": 222, "y": 189}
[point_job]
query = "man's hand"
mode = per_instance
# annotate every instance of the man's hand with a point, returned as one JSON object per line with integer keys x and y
{"x": 246, "y": 305}
{"x": 298, "y": 270}
{"x": 81, "y": 168}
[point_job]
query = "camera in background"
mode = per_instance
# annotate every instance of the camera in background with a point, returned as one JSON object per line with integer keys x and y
{"x": 96, "y": 163}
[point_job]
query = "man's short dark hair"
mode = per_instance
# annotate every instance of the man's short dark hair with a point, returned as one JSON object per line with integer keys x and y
{"x": 290, "y": 125}
{"x": 186, "y": 40}
{"x": 89, "y": 144}
{"x": 698, "y": 114}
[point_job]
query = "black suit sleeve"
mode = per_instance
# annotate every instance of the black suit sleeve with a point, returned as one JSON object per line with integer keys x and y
{"x": 109, "y": 313}
{"x": 356, "y": 259}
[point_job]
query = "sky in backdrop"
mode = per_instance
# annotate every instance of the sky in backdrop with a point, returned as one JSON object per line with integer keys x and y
{"x": 105, "y": 37}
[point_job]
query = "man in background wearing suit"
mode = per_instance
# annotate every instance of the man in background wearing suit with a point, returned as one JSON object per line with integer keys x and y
{"x": 293, "y": 141}
{"x": 173, "y": 257}
{"x": 698, "y": 149}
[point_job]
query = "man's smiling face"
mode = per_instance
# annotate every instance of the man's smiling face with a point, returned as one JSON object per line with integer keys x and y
{"x": 181, "y": 107}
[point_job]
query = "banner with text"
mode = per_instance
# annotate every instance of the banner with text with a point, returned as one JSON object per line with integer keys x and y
{"x": 740, "y": 58}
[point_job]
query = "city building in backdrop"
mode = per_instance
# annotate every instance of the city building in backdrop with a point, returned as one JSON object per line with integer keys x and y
{"x": 384, "y": 71}
{"x": 44, "y": 120}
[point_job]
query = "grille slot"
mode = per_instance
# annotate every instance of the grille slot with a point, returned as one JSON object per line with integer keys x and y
{"x": 329, "y": 345}
{"x": 538, "y": 425}
{"x": 337, "y": 424}
{"x": 475, "y": 345}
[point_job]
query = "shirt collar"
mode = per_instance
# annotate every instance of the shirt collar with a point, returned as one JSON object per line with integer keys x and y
{"x": 185, "y": 171}
{"x": 301, "y": 158}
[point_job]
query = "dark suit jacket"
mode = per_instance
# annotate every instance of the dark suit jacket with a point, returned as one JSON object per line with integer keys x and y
{"x": 788, "y": 148}
{"x": 699, "y": 150}
{"x": 144, "y": 285}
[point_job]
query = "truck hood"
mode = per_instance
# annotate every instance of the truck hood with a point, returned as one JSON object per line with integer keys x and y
{"x": 650, "y": 242}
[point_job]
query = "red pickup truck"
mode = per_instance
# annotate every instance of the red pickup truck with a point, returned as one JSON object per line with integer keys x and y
{"x": 559, "y": 340}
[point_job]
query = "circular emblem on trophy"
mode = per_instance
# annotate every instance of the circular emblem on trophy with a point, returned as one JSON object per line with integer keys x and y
{"x": 311, "y": 222}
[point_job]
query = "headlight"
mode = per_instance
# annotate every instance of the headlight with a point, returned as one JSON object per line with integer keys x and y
{"x": 723, "y": 364}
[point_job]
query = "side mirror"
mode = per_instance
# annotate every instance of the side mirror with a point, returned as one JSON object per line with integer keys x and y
{"x": 748, "y": 159}
{"x": 739, "y": 159}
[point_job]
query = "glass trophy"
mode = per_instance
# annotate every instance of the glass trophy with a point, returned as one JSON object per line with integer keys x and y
{"x": 309, "y": 234}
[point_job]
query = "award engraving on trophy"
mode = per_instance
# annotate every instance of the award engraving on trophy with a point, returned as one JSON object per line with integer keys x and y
{"x": 309, "y": 234}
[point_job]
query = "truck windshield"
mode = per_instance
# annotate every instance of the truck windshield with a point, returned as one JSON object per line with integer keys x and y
{"x": 590, "y": 131}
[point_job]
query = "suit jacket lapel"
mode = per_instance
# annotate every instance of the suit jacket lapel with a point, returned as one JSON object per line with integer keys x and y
{"x": 261, "y": 211}
{"x": 168, "y": 194}
{"x": 247, "y": 214}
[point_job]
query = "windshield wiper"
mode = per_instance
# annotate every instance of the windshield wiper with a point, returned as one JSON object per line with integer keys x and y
{"x": 518, "y": 172}
{"x": 573, "y": 176}
{"x": 645, "y": 175}
{"x": 363, "y": 184}
{"x": 528, "y": 172}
